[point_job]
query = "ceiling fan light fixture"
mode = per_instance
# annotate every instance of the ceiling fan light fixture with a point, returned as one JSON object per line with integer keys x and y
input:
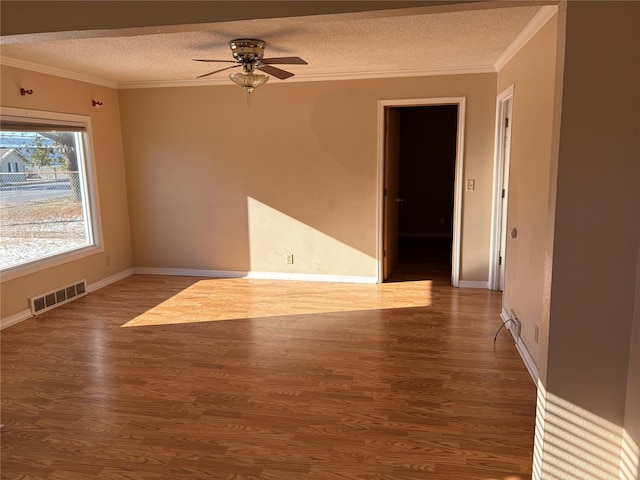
{"x": 249, "y": 81}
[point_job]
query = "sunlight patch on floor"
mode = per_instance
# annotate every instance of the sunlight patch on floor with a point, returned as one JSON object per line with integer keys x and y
{"x": 235, "y": 298}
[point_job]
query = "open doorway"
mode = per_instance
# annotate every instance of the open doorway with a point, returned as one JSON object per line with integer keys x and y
{"x": 422, "y": 158}
{"x": 504, "y": 121}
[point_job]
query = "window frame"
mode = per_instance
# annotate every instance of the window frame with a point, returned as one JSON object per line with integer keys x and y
{"x": 91, "y": 197}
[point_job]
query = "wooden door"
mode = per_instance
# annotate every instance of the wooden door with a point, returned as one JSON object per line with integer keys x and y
{"x": 391, "y": 190}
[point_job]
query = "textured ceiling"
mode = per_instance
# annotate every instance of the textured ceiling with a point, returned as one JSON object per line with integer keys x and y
{"x": 386, "y": 43}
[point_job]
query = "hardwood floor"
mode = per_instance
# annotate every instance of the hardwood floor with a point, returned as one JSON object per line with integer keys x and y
{"x": 185, "y": 378}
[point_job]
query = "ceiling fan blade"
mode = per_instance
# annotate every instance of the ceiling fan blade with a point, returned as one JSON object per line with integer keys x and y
{"x": 276, "y": 72}
{"x": 205, "y": 60}
{"x": 216, "y": 71}
{"x": 284, "y": 60}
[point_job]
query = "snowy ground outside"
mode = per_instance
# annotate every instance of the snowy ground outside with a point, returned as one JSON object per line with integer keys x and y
{"x": 39, "y": 229}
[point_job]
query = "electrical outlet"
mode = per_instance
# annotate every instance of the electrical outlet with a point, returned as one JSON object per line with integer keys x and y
{"x": 515, "y": 325}
{"x": 517, "y": 329}
{"x": 290, "y": 258}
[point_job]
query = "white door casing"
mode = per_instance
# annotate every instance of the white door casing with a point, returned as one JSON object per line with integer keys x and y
{"x": 457, "y": 201}
{"x": 504, "y": 123}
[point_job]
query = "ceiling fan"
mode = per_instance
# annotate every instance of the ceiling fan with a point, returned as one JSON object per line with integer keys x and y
{"x": 248, "y": 53}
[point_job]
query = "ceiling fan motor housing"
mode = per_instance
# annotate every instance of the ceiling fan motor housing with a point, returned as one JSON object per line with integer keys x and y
{"x": 247, "y": 49}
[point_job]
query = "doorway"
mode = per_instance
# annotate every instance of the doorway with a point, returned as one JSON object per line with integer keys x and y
{"x": 420, "y": 189}
{"x": 504, "y": 121}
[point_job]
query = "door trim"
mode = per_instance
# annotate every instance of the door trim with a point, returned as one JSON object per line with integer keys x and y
{"x": 500, "y": 176}
{"x": 457, "y": 198}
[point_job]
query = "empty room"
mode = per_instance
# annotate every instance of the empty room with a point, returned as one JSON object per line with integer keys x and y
{"x": 320, "y": 240}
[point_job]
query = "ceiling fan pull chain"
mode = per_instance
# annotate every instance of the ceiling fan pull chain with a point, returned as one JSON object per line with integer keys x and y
{"x": 248, "y": 100}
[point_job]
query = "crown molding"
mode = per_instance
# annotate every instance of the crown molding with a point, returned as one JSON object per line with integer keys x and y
{"x": 320, "y": 77}
{"x": 426, "y": 72}
{"x": 545, "y": 14}
{"x": 58, "y": 72}
{"x": 194, "y": 82}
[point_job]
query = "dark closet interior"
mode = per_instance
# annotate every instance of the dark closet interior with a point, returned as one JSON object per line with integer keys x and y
{"x": 428, "y": 139}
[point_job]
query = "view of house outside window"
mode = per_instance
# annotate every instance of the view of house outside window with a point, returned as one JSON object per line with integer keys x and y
{"x": 44, "y": 208}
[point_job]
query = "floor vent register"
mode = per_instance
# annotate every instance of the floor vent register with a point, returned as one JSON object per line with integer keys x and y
{"x": 47, "y": 301}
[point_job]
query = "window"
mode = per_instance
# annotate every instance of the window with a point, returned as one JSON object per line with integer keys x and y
{"x": 48, "y": 211}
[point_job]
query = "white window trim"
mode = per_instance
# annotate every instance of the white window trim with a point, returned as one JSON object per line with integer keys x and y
{"x": 92, "y": 197}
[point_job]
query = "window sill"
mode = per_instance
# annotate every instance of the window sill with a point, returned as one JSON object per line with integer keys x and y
{"x": 47, "y": 263}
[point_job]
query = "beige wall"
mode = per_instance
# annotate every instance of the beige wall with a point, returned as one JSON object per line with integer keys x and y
{"x": 632, "y": 408}
{"x": 596, "y": 238}
{"x": 597, "y": 207}
{"x": 532, "y": 74}
{"x": 61, "y": 95}
{"x": 216, "y": 186}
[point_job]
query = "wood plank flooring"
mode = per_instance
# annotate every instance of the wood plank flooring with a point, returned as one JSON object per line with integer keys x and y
{"x": 185, "y": 378}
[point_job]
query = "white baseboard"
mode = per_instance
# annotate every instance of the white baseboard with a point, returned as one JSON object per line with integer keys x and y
{"x": 109, "y": 280}
{"x": 190, "y": 272}
{"x": 528, "y": 360}
{"x": 307, "y": 277}
{"x": 16, "y": 318}
{"x": 25, "y": 314}
{"x": 505, "y": 317}
{"x": 522, "y": 348}
{"x": 473, "y": 284}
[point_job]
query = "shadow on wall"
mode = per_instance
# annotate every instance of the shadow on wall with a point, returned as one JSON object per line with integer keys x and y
{"x": 276, "y": 239}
